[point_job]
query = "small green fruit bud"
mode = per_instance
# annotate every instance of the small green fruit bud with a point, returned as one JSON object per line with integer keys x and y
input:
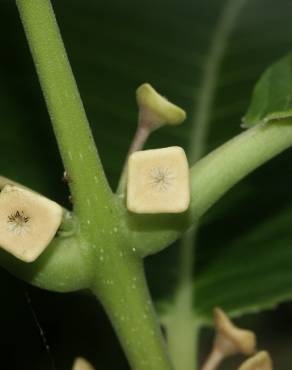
{"x": 81, "y": 364}
{"x": 231, "y": 339}
{"x": 156, "y": 110}
{"x": 260, "y": 361}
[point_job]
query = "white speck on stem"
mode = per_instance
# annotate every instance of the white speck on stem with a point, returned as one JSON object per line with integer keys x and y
{"x": 80, "y": 155}
{"x": 134, "y": 249}
{"x": 101, "y": 258}
{"x": 115, "y": 229}
{"x": 88, "y": 221}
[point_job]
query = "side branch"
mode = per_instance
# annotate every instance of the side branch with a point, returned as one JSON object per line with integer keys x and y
{"x": 211, "y": 178}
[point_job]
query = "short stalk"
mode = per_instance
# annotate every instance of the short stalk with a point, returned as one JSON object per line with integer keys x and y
{"x": 138, "y": 142}
{"x": 213, "y": 361}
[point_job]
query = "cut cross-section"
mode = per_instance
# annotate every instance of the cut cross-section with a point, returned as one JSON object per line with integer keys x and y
{"x": 158, "y": 181}
{"x": 28, "y": 222}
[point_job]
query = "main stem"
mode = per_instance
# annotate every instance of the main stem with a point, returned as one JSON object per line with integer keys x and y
{"x": 126, "y": 300}
{"x": 83, "y": 167}
{"x": 182, "y": 319}
{"x": 116, "y": 271}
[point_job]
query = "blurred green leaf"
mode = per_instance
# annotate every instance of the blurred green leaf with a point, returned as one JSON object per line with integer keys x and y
{"x": 251, "y": 273}
{"x": 272, "y": 96}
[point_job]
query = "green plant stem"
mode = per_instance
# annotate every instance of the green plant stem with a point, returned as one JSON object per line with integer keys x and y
{"x": 113, "y": 271}
{"x": 211, "y": 178}
{"x": 88, "y": 183}
{"x": 228, "y": 164}
{"x": 60, "y": 268}
{"x": 182, "y": 313}
{"x": 182, "y": 329}
{"x": 96, "y": 207}
{"x": 128, "y": 304}
{"x": 220, "y": 170}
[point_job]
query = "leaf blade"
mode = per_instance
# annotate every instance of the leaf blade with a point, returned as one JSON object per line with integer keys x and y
{"x": 252, "y": 273}
{"x": 272, "y": 96}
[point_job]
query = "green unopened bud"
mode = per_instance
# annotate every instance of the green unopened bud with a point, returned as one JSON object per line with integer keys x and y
{"x": 155, "y": 110}
{"x": 231, "y": 339}
{"x": 260, "y": 361}
{"x": 81, "y": 364}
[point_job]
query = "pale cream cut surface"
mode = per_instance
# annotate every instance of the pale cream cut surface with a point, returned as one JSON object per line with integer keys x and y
{"x": 82, "y": 364}
{"x": 231, "y": 337}
{"x": 158, "y": 181}
{"x": 28, "y": 222}
{"x": 260, "y": 361}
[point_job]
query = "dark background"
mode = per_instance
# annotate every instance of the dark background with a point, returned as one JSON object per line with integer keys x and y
{"x": 114, "y": 46}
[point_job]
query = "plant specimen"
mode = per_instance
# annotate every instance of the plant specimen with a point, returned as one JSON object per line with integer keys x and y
{"x": 101, "y": 245}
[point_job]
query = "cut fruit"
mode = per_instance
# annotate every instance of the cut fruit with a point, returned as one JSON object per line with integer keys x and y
{"x": 28, "y": 222}
{"x": 158, "y": 181}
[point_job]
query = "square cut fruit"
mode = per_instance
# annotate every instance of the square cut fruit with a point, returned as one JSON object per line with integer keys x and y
{"x": 158, "y": 181}
{"x": 28, "y": 222}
